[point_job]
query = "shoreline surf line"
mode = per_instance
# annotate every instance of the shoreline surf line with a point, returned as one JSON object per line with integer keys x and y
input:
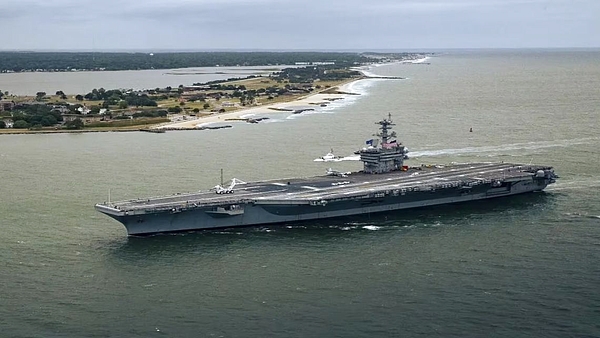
{"x": 314, "y": 99}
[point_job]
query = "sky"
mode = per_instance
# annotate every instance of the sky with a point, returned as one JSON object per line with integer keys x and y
{"x": 297, "y": 25}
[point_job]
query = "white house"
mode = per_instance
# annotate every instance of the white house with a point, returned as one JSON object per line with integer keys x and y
{"x": 8, "y": 121}
{"x": 84, "y": 110}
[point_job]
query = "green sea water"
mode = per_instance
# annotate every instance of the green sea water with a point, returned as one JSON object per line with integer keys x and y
{"x": 517, "y": 267}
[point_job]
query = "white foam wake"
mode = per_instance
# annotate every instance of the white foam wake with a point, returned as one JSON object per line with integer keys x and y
{"x": 504, "y": 147}
{"x": 561, "y": 184}
{"x": 338, "y": 159}
{"x": 491, "y": 150}
{"x": 327, "y": 160}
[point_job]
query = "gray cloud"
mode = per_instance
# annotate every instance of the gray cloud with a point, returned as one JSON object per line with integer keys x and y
{"x": 308, "y": 24}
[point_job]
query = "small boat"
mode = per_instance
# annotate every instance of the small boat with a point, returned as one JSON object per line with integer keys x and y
{"x": 329, "y": 157}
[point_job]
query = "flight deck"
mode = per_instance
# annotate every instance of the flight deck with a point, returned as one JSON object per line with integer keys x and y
{"x": 305, "y": 190}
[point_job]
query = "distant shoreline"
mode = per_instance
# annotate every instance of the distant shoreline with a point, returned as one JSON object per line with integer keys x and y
{"x": 254, "y": 114}
{"x": 53, "y": 61}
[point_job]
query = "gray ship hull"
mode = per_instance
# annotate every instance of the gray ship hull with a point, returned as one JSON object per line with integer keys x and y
{"x": 283, "y": 201}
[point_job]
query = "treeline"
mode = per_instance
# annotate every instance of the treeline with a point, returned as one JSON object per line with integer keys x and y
{"x": 118, "y": 97}
{"x": 310, "y": 74}
{"x": 35, "y": 116}
{"x": 61, "y": 61}
{"x": 217, "y": 84}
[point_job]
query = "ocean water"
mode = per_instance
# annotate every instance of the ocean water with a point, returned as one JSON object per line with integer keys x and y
{"x": 526, "y": 266}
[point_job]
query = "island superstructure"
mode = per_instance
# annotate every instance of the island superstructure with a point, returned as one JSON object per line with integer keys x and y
{"x": 384, "y": 184}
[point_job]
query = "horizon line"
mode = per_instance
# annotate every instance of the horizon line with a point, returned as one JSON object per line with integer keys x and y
{"x": 250, "y": 50}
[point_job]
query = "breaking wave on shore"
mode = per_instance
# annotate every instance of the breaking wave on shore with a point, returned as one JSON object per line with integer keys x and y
{"x": 358, "y": 89}
{"x": 368, "y": 70}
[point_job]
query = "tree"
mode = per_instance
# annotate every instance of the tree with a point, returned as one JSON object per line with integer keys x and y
{"x": 123, "y": 104}
{"x": 196, "y": 110}
{"x": 79, "y": 97}
{"x": 75, "y": 124}
{"x": 2, "y": 124}
{"x": 61, "y": 94}
{"x": 48, "y": 120}
{"x": 250, "y": 99}
{"x": 206, "y": 106}
{"x": 39, "y": 96}
{"x": 21, "y": 124}
{"x": 174, "y": 110}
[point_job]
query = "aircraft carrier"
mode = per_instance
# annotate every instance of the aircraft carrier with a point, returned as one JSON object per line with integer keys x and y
{"x": 384, "y": 184}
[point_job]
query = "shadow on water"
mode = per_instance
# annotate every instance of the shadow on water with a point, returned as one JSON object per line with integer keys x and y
{"x": 330, "y": 230}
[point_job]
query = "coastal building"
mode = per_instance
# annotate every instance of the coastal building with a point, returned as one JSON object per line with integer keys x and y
{"x": 6, "y": 105}
{"x": 85, "y": 118}
{"x": 216, "y": 96}
{"x": 84, "y": 110}
{"x": 61, "y": 109}
{"x": 70, "y": 117}
{"x": 315, "y": 63}
{"x": 196, "y": 88}
{"x": 193, "y": 95}
{"x": 8, "y": 122}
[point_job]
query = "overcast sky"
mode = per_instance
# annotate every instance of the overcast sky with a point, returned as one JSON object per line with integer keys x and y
{"x": 300, "y": 24}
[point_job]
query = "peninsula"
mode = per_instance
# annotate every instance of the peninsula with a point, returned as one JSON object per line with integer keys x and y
{"x": 295, "y": 88}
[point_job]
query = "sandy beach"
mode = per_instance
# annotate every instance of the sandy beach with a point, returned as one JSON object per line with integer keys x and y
{"x": 308, "y": 101}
